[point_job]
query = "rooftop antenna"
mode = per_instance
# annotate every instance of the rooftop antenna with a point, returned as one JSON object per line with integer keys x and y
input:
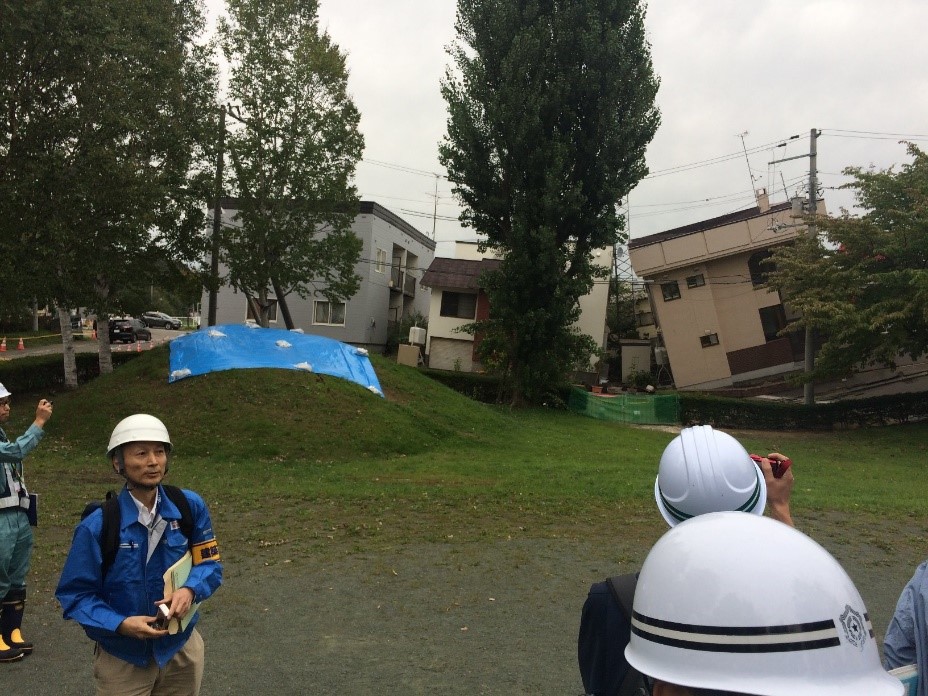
{"x": 746, "y": 160}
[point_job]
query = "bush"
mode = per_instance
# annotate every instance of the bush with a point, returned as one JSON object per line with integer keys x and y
{"x": 477, "y": 386}
{"x": 41, "y": 374}
{"x": 724, "y": 412}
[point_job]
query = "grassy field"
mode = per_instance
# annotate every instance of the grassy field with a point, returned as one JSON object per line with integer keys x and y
{"x": 336, "y": 463}
{"x": 420, "y": 538}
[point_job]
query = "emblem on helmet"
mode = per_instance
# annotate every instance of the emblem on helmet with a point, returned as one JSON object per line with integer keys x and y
{"x": 854, "y": 628}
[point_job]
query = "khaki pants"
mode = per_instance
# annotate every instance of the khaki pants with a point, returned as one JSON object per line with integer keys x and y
{"x": 180, "y": 677}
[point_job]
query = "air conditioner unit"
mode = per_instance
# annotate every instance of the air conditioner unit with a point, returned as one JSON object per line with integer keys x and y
{"x": 416, "y": 335}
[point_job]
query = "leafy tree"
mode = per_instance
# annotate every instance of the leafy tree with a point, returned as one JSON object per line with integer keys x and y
{"x": 294, "y": 157}
{"x": 550, "y": 109}
{"x": 862, "y": 282}
{"x": 103, "y": 105}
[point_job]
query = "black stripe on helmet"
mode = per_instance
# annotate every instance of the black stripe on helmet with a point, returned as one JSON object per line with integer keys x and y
{"x": 782, "y": 638}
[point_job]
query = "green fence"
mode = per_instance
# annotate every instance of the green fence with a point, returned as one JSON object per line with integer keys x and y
{"x": 626, "y": 408}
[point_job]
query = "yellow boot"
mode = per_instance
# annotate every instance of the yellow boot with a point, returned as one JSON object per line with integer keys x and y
{"x": 8, "y": 654}
{"x": 11, "y": 621}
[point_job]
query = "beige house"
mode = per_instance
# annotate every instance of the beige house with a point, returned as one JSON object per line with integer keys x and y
{"x": 708, "y": 307}
{"x": 458, "y": 300}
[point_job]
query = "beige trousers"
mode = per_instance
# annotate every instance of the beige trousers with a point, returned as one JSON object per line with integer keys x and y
{"x": 180, "y": 677}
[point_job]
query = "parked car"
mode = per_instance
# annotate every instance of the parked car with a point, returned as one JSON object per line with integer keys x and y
{"x": 160, "y": 319}
{"x": 128, "y": 330}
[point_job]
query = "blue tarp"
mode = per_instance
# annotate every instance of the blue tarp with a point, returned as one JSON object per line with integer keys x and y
{"x": 235, "y": 346}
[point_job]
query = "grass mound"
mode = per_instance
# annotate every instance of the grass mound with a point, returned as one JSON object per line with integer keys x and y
{"x": 271, "y": 414}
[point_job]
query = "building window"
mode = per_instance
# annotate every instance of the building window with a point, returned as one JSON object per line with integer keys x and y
{"x": 772, "y": 320}
{"x": 695, "y": 281}
{"x": 711, "y": 339}
{"x": 331, "y": 313}
{"x": 671, "y": 291}
{"x": 644, "y": 318}
{"x": 271, "y": 311}
{"x": 758, "y": 269}
{"x": 380, "y": 262}
{"x": 462, "y": 305}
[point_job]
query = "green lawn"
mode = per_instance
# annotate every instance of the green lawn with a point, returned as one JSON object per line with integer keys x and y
{"x": 341, "y": 468}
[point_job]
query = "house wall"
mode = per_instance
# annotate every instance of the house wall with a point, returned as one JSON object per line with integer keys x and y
{"x": 592, "y": 320}
{"x": 445, "y": 327}
{"x": 375, "y": 304}
{"x": 727, "y": 305}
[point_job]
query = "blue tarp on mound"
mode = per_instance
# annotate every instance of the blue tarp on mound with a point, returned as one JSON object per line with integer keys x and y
{"x": 235, "y": 346}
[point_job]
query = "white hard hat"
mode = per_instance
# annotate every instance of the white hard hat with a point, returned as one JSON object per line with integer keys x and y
{"x": 704, "y": 470}
{"x": 140, "y": 427}
{"x": 750, "y": 605}
{"x": 4, "y": 392}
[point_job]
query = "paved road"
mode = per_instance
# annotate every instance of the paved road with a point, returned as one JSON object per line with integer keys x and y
{"x": 158, "y": 336}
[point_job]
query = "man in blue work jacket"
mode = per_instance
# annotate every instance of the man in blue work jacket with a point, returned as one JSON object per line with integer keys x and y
{"x": 118, "y": 608}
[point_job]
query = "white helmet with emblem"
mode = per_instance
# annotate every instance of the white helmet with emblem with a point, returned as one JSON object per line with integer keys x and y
{"x": 705, "y": 470}
{"x": 747, "y": 604}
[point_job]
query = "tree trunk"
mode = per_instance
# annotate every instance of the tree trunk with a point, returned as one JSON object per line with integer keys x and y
{"x": 67, "y": 348}
{"x": 104, "y": 349}
{"x": 282, "y": 303}
{"x": 35, "y": 315}
{"x": 255, "y": 307}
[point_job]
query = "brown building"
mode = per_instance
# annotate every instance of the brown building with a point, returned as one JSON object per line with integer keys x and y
{"x": 713, "y": 315}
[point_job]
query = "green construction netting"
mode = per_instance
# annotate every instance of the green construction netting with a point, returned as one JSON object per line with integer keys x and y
{"x": 626, "y": 408}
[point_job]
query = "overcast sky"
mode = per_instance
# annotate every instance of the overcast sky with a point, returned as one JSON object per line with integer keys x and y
{"x": 768, "y": 69}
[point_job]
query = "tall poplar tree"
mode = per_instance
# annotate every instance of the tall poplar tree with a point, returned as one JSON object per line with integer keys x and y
{"x": 550, "y": 109}
{"x": 293, "y": 151}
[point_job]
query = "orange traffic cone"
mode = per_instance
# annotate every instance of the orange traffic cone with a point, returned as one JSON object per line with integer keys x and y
{"x": 3, "y": 345}
{"x": 138, "y": 346}
{"x": 21, "y": 345}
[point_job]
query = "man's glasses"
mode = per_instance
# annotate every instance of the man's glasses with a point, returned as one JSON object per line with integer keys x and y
{"x": 4, "y": 402}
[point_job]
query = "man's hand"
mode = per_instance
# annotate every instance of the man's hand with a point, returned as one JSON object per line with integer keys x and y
{"x": 43, "y": 412}
{"x": 140, "y": 627}
{"x": 179, "y": 602}
{"x": 778, "y": 489}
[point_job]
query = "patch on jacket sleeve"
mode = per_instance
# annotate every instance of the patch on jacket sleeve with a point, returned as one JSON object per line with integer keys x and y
{"x": 205, "y": 551}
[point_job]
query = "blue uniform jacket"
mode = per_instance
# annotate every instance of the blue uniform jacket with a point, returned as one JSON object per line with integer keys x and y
{"x": 131, "y": 586}
{"x": 906, "y": 639}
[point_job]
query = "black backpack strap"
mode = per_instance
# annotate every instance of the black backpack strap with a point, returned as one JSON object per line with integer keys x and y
{"x": 623, "y": 591}
{"x": 109, "y": 534}
{"x": 183, "y": 506}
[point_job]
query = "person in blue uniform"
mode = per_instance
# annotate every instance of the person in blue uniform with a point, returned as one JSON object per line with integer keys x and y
{"x": 118, "y": 608}
{"x": 15, "y": 532}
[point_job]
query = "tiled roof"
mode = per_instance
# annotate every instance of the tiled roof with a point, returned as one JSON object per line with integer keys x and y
{"x": 695, "y": 227}
{"x": 456, "y": 274}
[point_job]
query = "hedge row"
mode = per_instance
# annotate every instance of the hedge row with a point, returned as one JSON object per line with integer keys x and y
{"x": 730, "y": 412}
{"x": 39, "y": 374}
{"x": 769, "y": 415}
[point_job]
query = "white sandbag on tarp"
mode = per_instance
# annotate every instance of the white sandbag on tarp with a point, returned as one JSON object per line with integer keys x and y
{"x": 236, "y": 346}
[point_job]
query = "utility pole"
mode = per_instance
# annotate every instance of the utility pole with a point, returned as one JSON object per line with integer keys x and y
{"x": 809, "y": 387}
{"x": 217, "y": 222}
